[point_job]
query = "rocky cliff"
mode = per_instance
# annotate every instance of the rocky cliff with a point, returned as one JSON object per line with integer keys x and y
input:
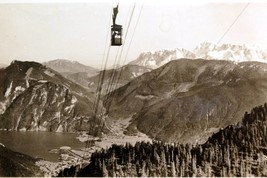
{"x": 35, "y": 97}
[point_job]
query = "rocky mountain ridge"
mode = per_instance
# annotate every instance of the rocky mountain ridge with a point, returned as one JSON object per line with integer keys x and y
{"x": 34, "y": 97}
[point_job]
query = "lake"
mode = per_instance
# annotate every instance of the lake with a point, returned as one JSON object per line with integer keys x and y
{"x": 38, "y": 144}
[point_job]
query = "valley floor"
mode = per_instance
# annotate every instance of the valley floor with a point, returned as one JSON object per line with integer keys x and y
{"x": 81, "y": 157}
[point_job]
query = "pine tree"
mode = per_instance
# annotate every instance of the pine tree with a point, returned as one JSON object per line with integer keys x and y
{"x": 104, "y": 170}
{"x": 143, "y": 170}
{"x": 173, "y": 170}
{"x": 194, "y": 167}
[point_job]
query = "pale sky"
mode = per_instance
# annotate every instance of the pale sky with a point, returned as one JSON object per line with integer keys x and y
{"x": 77, "y": 31}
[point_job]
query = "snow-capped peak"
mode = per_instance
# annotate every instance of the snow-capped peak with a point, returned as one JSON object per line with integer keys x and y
{"x": 158, "y": 58}
{"x": 232, "y": 52}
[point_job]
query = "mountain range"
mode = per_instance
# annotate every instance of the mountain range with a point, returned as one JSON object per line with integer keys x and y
{"x": 171, "y": 95}
{"x": 187, "y": 100}
{"x": 211, "y": 87}
{"x": 236, "y": 53}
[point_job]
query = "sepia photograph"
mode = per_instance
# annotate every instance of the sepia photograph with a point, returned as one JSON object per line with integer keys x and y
{"x": 135, "y": 88}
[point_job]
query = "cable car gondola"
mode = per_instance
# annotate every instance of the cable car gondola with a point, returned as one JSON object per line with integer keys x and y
{"x": 116, "y": 30}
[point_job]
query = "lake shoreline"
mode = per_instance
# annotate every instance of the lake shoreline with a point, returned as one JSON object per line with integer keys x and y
{"x": 39, "y": 144}
{"x": 79, "y": 156}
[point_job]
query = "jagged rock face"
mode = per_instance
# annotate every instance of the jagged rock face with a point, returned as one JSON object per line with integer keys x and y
{"x": 34, "y": 97}
{"x": 159, "y": 58}
{"x": 187, "y": 100}
{"x": 237, "y": 53}
{"x": 14, "y": 164}
{"x": 121, "y": 76}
